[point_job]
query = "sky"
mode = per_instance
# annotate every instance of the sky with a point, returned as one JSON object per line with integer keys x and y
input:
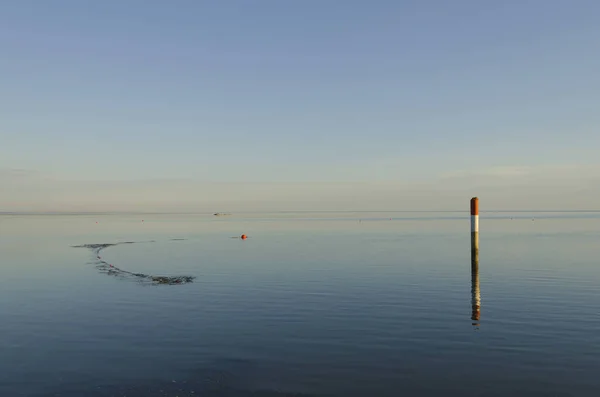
{"x": 305, "y": 105}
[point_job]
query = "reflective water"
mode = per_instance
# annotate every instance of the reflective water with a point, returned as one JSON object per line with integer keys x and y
{"x": 342, "y": 304}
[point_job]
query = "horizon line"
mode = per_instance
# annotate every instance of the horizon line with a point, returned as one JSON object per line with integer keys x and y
{"x": 282, "y": 212}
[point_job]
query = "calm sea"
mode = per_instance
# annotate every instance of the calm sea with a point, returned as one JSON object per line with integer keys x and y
{"x": 311, "y": 304}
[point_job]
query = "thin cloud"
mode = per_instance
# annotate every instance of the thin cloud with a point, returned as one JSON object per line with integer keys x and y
{"x": 520, "y": 171}
{"x": 17, "y": 173}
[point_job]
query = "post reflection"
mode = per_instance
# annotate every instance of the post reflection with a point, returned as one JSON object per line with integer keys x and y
{"x": 475, "y": 292}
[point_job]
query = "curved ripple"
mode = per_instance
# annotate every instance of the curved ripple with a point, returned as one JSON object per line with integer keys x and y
{"x": 112, "y": 270}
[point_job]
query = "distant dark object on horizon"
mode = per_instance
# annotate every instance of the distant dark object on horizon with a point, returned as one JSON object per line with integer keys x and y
{"x": 221, "y": 214}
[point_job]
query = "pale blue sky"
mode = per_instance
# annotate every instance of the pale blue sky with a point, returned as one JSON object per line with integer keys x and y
{"x": 296, "y": 91}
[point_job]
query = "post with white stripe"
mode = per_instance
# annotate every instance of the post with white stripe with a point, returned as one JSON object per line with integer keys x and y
{"x": 475, "y": 229}
{"x": 475, "y": 292}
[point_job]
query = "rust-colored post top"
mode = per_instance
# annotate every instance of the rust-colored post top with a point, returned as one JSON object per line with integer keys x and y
{"x": 474, "y": 206}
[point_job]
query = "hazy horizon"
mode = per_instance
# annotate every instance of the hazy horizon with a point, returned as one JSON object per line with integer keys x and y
{"x": 553, "y": 188}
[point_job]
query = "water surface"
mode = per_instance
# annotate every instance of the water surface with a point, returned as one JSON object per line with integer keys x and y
{"x": 312, "y": 304}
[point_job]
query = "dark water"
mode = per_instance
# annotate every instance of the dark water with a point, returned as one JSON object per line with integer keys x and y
{"x": 309, "y": 305}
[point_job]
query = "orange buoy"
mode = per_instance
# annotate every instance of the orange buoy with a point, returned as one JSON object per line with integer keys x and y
{"x": 243, "y": 237}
